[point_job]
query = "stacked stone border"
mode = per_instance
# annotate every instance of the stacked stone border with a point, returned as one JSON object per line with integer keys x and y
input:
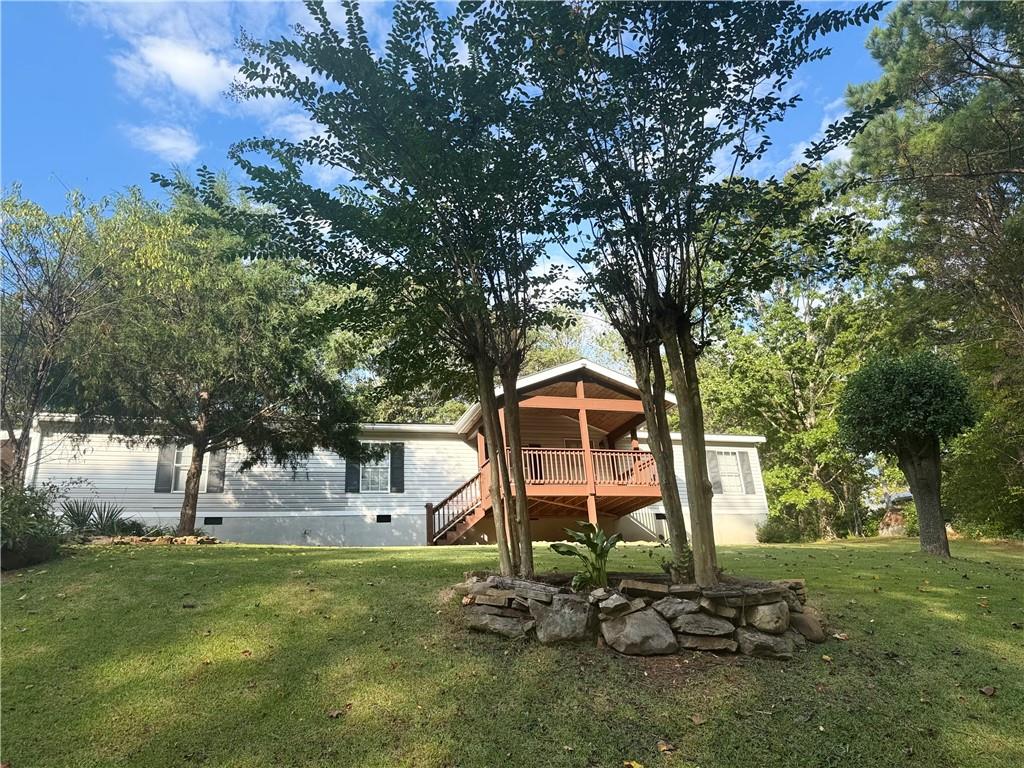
{"x": 648, "y": 617}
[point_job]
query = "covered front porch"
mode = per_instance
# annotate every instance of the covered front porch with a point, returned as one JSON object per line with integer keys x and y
{"x": 581, "y": 457}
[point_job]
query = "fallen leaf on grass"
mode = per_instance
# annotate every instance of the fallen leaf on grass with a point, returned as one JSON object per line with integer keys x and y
{"x": 988, "y": 690}
{"x": 698, "y": 719}
{"x": 666, "y": 747}
{"x": 631, "y": 764}
{"x": 247, "y": 653}
{"x": 827, "y": 659}
{"x": 841, "y": 636}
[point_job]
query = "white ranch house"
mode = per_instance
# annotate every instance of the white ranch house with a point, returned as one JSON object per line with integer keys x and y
{"x": 427, "y": 489}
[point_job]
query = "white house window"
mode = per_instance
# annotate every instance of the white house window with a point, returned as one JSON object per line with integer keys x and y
{"x": 729, "y": 472}
{"x": 375, "y": 476}
{"x": 182, "y": 458}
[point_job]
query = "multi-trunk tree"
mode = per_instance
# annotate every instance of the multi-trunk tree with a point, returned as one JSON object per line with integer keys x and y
{"x": 661, "y": 114}
{"x": 448, "y": 211}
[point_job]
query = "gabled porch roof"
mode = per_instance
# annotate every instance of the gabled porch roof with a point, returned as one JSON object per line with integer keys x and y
{"x": 609, "y": 383}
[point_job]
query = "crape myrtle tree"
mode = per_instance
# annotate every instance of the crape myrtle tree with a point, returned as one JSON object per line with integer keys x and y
{"x": 204, "y": 349}
{"x": 908, "y": 408}
{"x": 661, "y": 113}
{"x": 448, "y": 212}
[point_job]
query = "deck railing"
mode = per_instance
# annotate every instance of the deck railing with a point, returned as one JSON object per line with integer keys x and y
{"x": 567, "y": 466}
{"x": 624, "y": 468}
{"x": 554, "y": 466}
{"x": 454, "y": 506}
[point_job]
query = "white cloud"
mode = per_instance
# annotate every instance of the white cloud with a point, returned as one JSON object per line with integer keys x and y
{"x": 155, "y": 63}
{"x": 170, "y": 143}
{"x": 832, "y": 112}
{"x": 294, "y": 126}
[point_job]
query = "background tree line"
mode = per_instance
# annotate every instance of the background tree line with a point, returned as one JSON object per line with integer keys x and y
{"x": 494, "y": 151}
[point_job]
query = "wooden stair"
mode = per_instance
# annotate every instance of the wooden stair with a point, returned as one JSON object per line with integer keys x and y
{"x": 462, "y": 527}
{"x": 448, "y": 521}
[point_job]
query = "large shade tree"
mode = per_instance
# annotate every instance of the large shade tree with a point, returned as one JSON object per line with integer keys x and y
{"x": 662, "y": 114}
{"x": 48, "y": 290}
{"x": 204, "y": 349}
{"x": 448, "y": 211}
{"x": 909, "y": 408}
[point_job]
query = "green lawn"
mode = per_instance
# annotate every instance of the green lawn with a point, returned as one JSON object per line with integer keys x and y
{"x": 103, "y": 664}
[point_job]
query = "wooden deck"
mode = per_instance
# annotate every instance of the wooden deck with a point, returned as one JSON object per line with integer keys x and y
{"x": 557, "y": 482}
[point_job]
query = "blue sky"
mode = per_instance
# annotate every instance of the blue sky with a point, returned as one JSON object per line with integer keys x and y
{"x": 97, "y": 96}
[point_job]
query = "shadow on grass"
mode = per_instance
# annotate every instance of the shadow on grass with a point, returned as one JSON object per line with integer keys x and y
{"x": 118, "y": 672}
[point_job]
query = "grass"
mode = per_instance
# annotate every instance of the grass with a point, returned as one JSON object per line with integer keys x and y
{"x": 104, "y": 665}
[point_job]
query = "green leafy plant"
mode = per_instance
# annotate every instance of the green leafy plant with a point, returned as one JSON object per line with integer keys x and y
{"x": 108, "y": 519}
{"x": 76, "y": 515}
{"x": 29, "y": 532}
{"x": 596, "y": 547}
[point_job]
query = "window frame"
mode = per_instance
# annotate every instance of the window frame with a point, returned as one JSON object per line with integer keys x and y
{"x": 183, "y": 464}
{"x": 384, "y": 464}
{"x": 735, "y": 454}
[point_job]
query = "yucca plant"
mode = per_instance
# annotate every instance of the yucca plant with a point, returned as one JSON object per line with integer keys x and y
{"x": 596, "y": 547}
{"x": 108, "y": 519}
{"x": 76, "y": 515}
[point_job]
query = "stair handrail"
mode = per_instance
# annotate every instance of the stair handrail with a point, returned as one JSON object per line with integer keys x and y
{"x": 440, "y": 518}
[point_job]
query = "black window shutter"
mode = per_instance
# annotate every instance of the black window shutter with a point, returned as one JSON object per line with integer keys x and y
{"x": 164, "y": 469}
{"x": 351, "y": 476}
{"x": 713, "y": 474}
{"x": 215, "y": 474}
{"x": 748, "y": 475}
{"x": 398, "y": 467}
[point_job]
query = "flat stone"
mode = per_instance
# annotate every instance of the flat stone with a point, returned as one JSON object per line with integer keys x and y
{"x": 565, "y": 618}
{"x": 706, "y": 643}
{"x": 634, "y": 587}
{"x": 641, "y": 633}
{"x": 599, "y": 594}
{"x": 754, "y": 596}
{"x": 755, "y": 643}
{"x": 499, "y": 625}
{"x": 772, "y": 618}
{"x": 691, "y": 591}
{"x": 808, "y": 624}
{"x": 718, "y": 609}
{"x": 510, "y": 613}
{"x": 531, "y": 593}
{"x": 636, "y": 604}
{"x": 671, "y": 607}
{"x": 702, "y": 624}
{"x": 497, "y": 597}
{"x": 614, "y": 604}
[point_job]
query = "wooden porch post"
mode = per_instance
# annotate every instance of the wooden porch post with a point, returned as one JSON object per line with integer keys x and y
{"x": 481, "y": 448}
{"x": 588, "y": 458}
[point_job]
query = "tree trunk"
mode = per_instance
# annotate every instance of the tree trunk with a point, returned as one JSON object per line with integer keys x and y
{"x": 682, "y": 361}
{"x": 921, "y": 466}
{"x": 659, "y": 443}
{"x": 517, "y": 474}
{"x": 187, "y": 520}
{"x": 488, "y": 418}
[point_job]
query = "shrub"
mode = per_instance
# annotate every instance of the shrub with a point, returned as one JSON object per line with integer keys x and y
{"x": 778, "y": 530}
{"x": 594, "y": 554}
{"x": 29, "y": 532}
{"x": 85, "y": 516}
{"x": 76, "y": 515}
{"x": 108, "y": 519}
